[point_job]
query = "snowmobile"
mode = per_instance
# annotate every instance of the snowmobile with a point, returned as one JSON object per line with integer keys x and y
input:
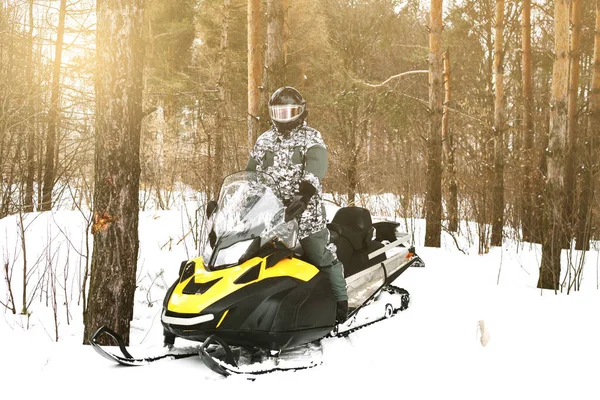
{"x": 252, "y": 294}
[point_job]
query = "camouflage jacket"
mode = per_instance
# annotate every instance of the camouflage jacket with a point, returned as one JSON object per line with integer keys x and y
{"x": 290, "y": 158}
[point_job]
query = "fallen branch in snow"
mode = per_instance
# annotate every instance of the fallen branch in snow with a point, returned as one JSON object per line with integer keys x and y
{"x": 453, "y": 236}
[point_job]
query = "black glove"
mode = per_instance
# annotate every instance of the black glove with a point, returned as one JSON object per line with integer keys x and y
{"x": 300, "y": 201}
{"x": 295, "y": 209}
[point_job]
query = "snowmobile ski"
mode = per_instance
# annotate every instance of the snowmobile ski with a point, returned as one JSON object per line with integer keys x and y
{"x": 226, "y": 361}
{"x": 127, "y": 359}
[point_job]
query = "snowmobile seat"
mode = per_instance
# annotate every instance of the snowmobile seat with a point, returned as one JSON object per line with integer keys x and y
{"x": 352, "y": 232}
{"x": 355, "y": 225}
{"x": 385, "y": 230}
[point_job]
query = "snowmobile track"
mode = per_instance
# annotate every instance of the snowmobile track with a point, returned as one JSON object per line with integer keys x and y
{"x": 225, "y": 367}
{"x": 389, "y": 288}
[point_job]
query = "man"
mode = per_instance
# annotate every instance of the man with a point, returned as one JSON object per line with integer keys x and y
{"x": 295, "y": 155}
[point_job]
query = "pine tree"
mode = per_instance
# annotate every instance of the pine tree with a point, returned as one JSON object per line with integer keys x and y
{"x": 498, "y": 130}
{"x": 120, "y": 61}
{"x": 554, "y": 191}
{"x": 527, "y": 126}
{"x": 448, "y": 145}
{"x": 572, "y": 125}
{"x": 254, "y": 70}
{"x": 53, "y": 114}
{"x": 30, "y": 152}
{"x": 275, "y": 62}
{"x": 433, "y": 196}
{"x": 591, "y": 154}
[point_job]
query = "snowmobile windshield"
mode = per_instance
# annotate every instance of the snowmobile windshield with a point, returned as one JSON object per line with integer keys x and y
{"x": 249, "y": 214}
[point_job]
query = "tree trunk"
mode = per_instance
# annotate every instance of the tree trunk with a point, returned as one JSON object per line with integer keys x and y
{"x": 554, "y": 191}
{"x": 275, "y": 65}
{"x": 433, "y": 196}
{"x": 572, "y": 117}
{"x": 254, "y": 70}
{"x": 590, "y": 160}
{"x": 53, "y": 115}
{"x": 120, "y": 65}
{"x": 498, "y": 134}
{"x": 539, "y": 174}
{"x": 286, "y": 31}
{"x": 30, "y": 152}
{"x": 527, "y": 198}
{"x": 40, "y": 172}
{"x": 353, "y": 156}
{"x": 210, "y": 168}
{"x": 485, "y": 206}
{"x": 448, "y": 146}
{"x": 352, "y": 182}
{"x": 222, "y": 115}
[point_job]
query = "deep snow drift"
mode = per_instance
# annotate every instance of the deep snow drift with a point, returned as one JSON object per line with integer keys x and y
{"x": 541, "y": 344}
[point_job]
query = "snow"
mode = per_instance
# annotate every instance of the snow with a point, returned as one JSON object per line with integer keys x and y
{"x": 541, "y": 345}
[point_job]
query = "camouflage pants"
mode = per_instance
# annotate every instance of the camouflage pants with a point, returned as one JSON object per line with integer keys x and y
{"x": 319, "y": 252}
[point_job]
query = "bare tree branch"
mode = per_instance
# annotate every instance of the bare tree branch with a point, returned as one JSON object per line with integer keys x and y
{"x": 398, "y": 76}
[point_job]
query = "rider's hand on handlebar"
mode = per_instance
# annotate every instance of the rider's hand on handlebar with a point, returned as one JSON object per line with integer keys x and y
{"x": 295, "y": 209}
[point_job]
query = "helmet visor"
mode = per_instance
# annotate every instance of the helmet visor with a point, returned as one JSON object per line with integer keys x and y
{"x": 286, "y": 112}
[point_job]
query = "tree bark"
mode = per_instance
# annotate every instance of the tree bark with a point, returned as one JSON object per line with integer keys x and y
{"x": 286, "y": 31}
{"x": 120, "y": 65}
{"x": 53, "y": 115}
{"x": 275, "y": 65}
{"x": 352, "y": 173}
{"x": 527, "y": 198}
{"x": 433, "y": 196}
{"x": 30, "y": 152}
{"x": 590, "y": 158}
{"x": 554, "y": 191}
{"x": 498, "y": 130}
{"x": 486, "y": 139}
{"x": 572, "y": 118}
{"x": 448, "y": 146}
{"x": 254, "y": 70}
{"x": 222, "y": 115}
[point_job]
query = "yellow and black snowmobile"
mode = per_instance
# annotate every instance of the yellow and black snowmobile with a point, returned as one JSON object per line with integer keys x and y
{"x": 251, "y": 288}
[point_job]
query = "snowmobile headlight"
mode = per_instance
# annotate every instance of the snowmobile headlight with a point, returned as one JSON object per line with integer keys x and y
{"x": 232, "y": 254}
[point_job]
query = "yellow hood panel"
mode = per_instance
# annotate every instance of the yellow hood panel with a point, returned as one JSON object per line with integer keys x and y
{"x": 195, "y": 303}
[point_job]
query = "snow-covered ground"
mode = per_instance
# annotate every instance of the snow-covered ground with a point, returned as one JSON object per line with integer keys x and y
{"x": 540, "y": 345}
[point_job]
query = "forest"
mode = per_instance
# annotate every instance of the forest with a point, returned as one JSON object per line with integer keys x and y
{"x": 483, "y": 111}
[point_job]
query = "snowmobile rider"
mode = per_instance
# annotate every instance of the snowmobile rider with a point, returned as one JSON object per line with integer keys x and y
{"x": 295, "y": 155}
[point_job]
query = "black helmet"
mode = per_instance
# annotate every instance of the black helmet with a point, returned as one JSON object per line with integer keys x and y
{"x": 287, "y": 108}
